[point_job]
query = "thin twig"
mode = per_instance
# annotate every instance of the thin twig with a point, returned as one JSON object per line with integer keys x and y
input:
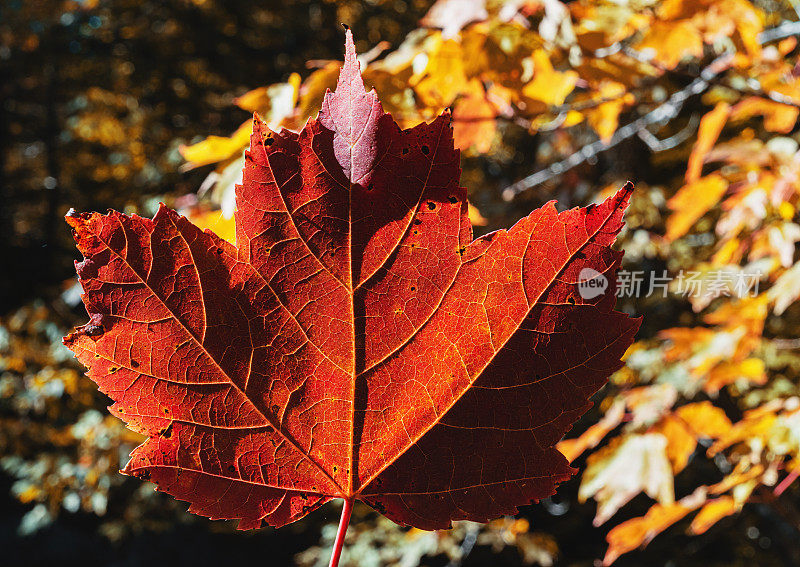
{"x": 658, "y": 116}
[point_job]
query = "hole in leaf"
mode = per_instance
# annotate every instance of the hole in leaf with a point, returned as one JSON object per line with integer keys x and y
{"x": 431, "y": 205}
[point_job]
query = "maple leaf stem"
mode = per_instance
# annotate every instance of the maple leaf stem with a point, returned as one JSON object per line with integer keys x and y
{"x": 338, "y": 544}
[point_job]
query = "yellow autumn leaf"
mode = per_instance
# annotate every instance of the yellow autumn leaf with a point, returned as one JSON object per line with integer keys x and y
{"x": 727, "y": 372}
{"x": 443, "y": 77}
{"x": 669, "y": 42}
{"x": 218, "y": 148}
{"x": 681, "y": 443}
{"x": 548, "y": 85}
{"x": 705, "y": 419}
{"x": 475, "y": 216}
{"x": 215, "y": 221}
{"x": 691, "y": 202}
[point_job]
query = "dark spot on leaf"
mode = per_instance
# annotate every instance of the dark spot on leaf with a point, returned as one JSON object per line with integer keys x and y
{"x": 431, "y": 205}
{"x": 167, "y": 433}
{"x": 144, "y": 475}
{"x": 275, "y": 408}
{"x": 452, "y": 199}
{"x": 231, "y": 469}
{"x": 571, "y": 300}
{"x": 269, "y": 141}
{"x": 112, "y": 370}
{"x": 417, "y": 222}
{"x": 413, "y": 288}
{"x": 134, "y": 364}
{"x": 370, "y": 187}
{"x": 462, "y": 250}
{"x": 405, "y": 151}
{"x": 219, "y": 250}
{"x": 425, "y": 150}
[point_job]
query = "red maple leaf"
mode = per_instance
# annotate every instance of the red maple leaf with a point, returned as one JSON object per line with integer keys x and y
{"x": 356, "y": 343}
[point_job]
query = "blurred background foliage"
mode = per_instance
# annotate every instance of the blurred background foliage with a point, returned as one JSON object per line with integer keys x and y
{"x": 689, "y": 457}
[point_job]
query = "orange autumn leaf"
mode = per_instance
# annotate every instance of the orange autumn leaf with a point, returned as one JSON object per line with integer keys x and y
{"x": 683, "y": 341}
{"x": 753, "y": 425}
{"x": 751, "y": 370}
{"x": 712, "y": 512}
{"x": 638, "y": 532}
{"x": 574, "y": 448}
{"x": 670, "y": 42}
{"x": 779, "y": 118}
{"x": 474, "y": 120}
{"x": 691, "y": 202}
{"x": 707, "y": 134}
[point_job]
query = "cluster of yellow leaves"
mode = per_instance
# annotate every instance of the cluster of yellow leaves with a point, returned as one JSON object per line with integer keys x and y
{"x": 742, "y": 185}
{"x": 531, "y": 62}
